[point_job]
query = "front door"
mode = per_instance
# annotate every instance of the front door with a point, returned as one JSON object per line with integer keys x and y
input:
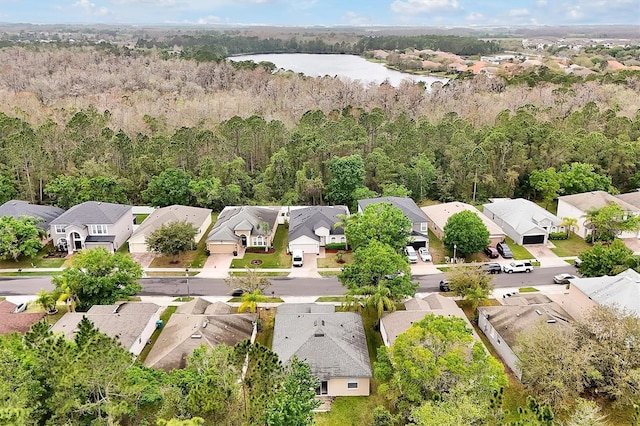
{"x": 77, "y": 241}
{"x": 243, "y": 238}
{"x": 323, "y": 389}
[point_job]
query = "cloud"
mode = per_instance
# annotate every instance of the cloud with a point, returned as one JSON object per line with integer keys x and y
{"x": 409, "y": 7}
{"x": 353, "y": 18}
{"x": 91, "y": 8}
{"x": 518, "y": 13}
{"x": 208, "y": 20}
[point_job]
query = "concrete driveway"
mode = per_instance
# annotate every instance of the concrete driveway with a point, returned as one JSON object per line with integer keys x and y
{"x": 309, "y": 269}
{"x": 545, "y": 256}
{"x": 217, "y": 266}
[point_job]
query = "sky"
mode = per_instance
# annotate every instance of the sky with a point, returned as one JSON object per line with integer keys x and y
{"x": 325, "y": 12}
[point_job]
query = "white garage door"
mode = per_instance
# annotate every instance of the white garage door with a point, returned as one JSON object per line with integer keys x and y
{"x": 307, "y": 248}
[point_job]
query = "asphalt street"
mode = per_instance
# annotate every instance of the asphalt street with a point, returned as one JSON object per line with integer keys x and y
{"x": 281, "y": 286}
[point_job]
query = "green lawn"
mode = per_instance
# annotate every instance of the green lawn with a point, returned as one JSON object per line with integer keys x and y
{"x": 329, "y": 273}
{"x": 527, "y": 290}
{"x": 40, "y": 260}
{"x": 519, "y": 252}
{"x": 331, "y": 260}
{"x": 436, "y": 248}
{"x": 261, "y": 273}
{"x": 30, "y": 274}
{"x": 278, "y": 259}
{"x": 165, "y": 318}
{"x": 572, "y": 246}
{"x": 336, "y": 299}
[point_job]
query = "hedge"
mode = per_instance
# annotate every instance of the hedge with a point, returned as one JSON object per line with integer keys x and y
{"x": 558, "y": 236}
{"x": 336, "y": 246}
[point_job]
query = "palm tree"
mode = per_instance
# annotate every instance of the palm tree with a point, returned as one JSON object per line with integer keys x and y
{"x": 46, "y": 300}
{"x": 570, "y": 224}
{"x": 69, "y": 298}
{"x": 590, "y": 216}
{"x": 250, "y": 301}
{"x": 375, "y": 297}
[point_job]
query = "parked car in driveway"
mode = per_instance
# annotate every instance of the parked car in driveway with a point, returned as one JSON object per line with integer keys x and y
{"x": 492, "y": 268}
{"x": 563, "y": 278}
{"x": 491, "y": 252}
{"x": 518, "y": 266}
{"x": 444, "y": 285}
{"x": 504, "y": 250}
{"x": 411, "y": 254}
{"x": 424, "y": 254}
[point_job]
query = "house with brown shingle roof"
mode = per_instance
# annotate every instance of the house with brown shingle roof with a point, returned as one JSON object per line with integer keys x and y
{"x": 13, "y": 322}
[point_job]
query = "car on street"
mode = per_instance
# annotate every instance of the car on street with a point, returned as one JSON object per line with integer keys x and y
{"x": 504, "y": 250}
{"x": 444, "y": 285}
{"x": 424, "y": 254}
{"x": 518, "y": 266}
{"x": 563, "y": 278}
{"x": 491, "y": 252}
{"x": 411, "y": 254}
{"x": 237, "y": 292}
{"x": 492, "y": 268}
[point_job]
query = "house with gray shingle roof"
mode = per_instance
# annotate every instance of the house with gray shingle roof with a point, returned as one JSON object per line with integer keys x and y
{"x": 243, "y": 226}
{"x": 198, "y": 217}
{"x": 333, "y": 343}
{"x": 196, "y": 323}
{"x": 92, "y": 224}
{"x": 420, "y": 222}
{"x": 313, "y": 227}
{"x": 503, "y": 324}
{"x": 132, "y": 324}
{"x": 45, "y": 214}
{"x": 522, "y": 220}
{"x": 576, "y": 206}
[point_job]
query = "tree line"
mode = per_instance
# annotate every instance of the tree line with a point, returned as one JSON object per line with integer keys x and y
{"x": 325, "y": 158}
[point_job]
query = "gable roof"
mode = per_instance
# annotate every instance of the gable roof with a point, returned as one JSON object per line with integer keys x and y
{"x": 195, "y": 216}
{"x": 439, "y": 214}
{"x": 596, "y": 199}
{"x": 242, "y": 218}
{"x": 406, "y": 204}
{"x": 397, "y": 322}
{"x": 187, "y": 330}
{"x": 632, "y": 198}
{"x": 520, "y": 214}
{"x": 11, "y": 322}
{"x": 333, "y": 344}
{"x": 304, "y": 222}
{"x": 124, "y": 321}
{"x": 511, "y": 320}
{"x": 17, "y": 208}
{"x": 92, "y": 212}
{"x": 622, "y": 290}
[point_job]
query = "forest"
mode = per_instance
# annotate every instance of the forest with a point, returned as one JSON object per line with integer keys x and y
{"x": 87, "y": 123}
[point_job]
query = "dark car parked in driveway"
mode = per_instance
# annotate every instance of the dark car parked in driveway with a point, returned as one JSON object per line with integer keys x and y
{"x": 491, "y": 252}
{"x": 504, "y": 250}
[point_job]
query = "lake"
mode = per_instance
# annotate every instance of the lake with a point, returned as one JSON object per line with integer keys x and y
{"x": 344, "y": 66}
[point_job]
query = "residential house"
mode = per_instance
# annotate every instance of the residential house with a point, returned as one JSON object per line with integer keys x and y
{"x": 622, "y": 290}
{"x": 522, "y": 220}
{"x": 196, "y": 323}
{"x": 577, "y": 205}
{"x": 198, "y": 217}
{"x": 333, "y": 343}
{"x": 313, "y": 227}
{"x": 632, "y": 198}
{"x": 92, "y": 224}
{"x": 503, "y": 324}
{"x": 419, "y": 221}
{"x": 244, "y": 226}
{"x": 439, "y": 214}
{"x": 395, "y": 323}
{"x": 16, "y": 322}
{"x": 132, "y": 324}
{"x": 44, "y": 214}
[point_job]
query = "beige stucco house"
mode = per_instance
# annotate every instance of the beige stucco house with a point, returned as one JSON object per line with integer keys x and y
{"x": 198, "y": 217}
{"x": 439, "y": 214}
{"x": 245, "y": 226}
{"x": 313, "y": 227}
{"x": 92, "y": 224}
{"x": 131, "y": 323}
{"x": 333, "y": 343}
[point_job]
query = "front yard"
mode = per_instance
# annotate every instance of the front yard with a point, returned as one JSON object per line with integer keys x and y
{"x": 41, "y": 260}
{"x": 572, "y": 246}
{"x": 331, "y": 260}
{"x": 275, "y": 260}
{"x": 519, "y": 252}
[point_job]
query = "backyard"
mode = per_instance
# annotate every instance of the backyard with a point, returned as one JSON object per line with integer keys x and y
{"x": 278, "y": 259}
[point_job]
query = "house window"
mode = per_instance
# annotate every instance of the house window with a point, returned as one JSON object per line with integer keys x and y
{"x": 424, "y": 227}
{"x": 333, "y": 239}
{"x": 98, "y": 229}
{"x": 259, "y": 241}
{"x": 352, "y": 384}
{"x": 60, "y": 229}
{"x": 343, "y": 240}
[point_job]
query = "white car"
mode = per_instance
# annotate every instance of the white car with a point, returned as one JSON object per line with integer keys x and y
{"x": 411, "y": 254}
{"x": 424, "y": 254}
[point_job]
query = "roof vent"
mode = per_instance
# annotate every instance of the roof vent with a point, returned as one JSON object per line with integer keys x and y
{"x": 196, "y": 336}
{"x": 538, "y": 312}
{"x": 551, "y": 321}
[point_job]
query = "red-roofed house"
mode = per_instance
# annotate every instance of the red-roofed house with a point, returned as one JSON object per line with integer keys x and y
{"x": 11, "y": 322}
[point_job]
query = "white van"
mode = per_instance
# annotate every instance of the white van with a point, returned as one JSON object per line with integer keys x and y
{"x": 297, "y": 257}
{"x": 411, "y": 254}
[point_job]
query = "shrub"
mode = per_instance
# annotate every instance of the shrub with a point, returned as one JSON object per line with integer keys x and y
{"x": 336, "y": 246}
{"x": 558, "y": 236}
{"x": 259, "y": 249}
